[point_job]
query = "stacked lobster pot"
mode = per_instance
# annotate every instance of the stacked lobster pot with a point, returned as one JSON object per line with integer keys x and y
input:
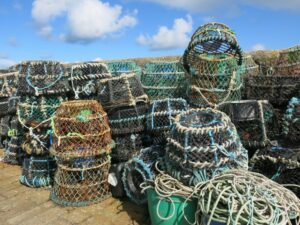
{"x": 212, "y": 61}
{"x": 84, "y": 79}
{"x": 291, "y": 121}
{"x": 43, "y": 86}
{"x": 163, "y": 80}
{"x": 118, "y": 68}
{"x": 203, "y": 143}
{"x": 82, "y": 144}
{"x": 8, "y": 107}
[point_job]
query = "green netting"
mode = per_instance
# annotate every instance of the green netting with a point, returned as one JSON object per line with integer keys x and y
{"x": 121, "y": 67}
{"x": 163, "y": 80}
{"x": 289, "y": 61}
{"x": 291, "y": 122}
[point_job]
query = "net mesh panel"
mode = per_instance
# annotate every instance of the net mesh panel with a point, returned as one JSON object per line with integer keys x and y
{"x": 4, "y": 105}
{"x": 81, "y": 181}
{"x": 203, "y": 143}
{"x": 128, "y": 119}
{"x": 163, "y": 80}
{"x": 214, "y": 79}
{"x": 37, "y": 144}
{"x": 289, "y": 61}
{"x": 80, "y": 129}
{"x": 127, "y": 67}
{"x": 140, "y": 169}
{"x": 5, "y": 125}
{"x": 42, "y": 77}
{"x": 8, "y": 84}
{"x": 254, "y": 121}
{"x": 124, "y": 90}
{"x": 249, "y": 67}
{"x": 291, "y": 121}
{"x": 126, "y": 146}
{"x": 267, "y": 62}
{"x": 84, "y": 78}
{"x": 33, "y": 110}
{"x": 38, "y": 171}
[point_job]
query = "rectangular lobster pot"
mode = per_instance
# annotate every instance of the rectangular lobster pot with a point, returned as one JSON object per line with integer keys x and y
{"x": 291, "y": 121}
{"x": 289, "y": 61}
{"x": 118, "y": 68}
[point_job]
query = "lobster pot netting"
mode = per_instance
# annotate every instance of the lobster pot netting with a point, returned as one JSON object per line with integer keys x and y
{"x": 267, "y": 62}
{"x": 127, "y": 67}
{"x": 278, "y": 163}
{"x": 254, "y": 120}
{"x": 289, "y": 62}
{"x": 214, "y": 79}
{"x": 5, "y": 125}
{"x": 123, "y": 90}
{"x": 278, "y": 90}
{"x": 42, "y": 77}
{"x": 8, "y": 105}
{"x": 34, "y": 111}
{"x": 8, "y": 84}
{"x": 163, "y": 80}
{"x": 81, "y": 181}
{"x": 80, "y": 129}
{"x": 37, "y": 143}
{"x": 141, "y": 169}
{"x": 291, "y": 121}
{"x": 249, "y": 67}
{"x": 126, "y": 146}
{"x": 13, "y": 153}
{"x": 128, "y": 119}
{"x": 84, "y": 78}
{"x": 38, "y": 171}
{"x": 203, "y": 143}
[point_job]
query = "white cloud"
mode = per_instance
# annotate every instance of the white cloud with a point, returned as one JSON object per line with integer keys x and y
{"x": 165, "y": 39}
{"x": 86, "y": 20}
{"x": 258, "y": 47}
{"x": 98, "y": 59}
{"x": 6, "y": 62}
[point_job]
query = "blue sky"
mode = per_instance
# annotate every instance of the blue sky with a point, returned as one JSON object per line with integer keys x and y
{"x": 83, "y": 30}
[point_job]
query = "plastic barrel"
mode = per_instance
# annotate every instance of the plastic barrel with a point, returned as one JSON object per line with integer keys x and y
{"x": 170, "y": 211}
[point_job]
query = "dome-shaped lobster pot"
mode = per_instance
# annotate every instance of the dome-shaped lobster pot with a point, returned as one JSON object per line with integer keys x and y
{"x": 291, "y": 121}
{"x": 163, "y": 80}
{"x": 214, "y": 39}
{"x": 289, "y": 62}
{"x": 214, "y": 80}
{"x": 8, "y": 84}
{"x": 123, "y": 90}
{"x": 81, "y": 181}
{"x": 80, "y": 129}
{"x": 42, "y": 77}
{"x": 84, "y": 78}
{"x": 124, "y": 67}
{"x": 203, "y": 143}
{"x": 128, "y": 119}
{"x": 34, "y": 110}
{"x": 254, "y": 121}
{"x": 38, "y": 171}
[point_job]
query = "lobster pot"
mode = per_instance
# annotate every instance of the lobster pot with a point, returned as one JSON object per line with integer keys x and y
{"x": 33, "y": 110}
{"x": 289, "y": 62}
{"x": 80, "y": 129}
{"x": 128, "y": 119}
{"x": 281, "y": 164}
{"x": 8, "y": 84}
{"x": 38, "y": 171}
{"x": 255, "y": 121}
{"x": 37, "y": 143}
{"x": 5, "y": 125}
{"x": 8, "y": 105}
{"x": 81, "y": 181}
{"x": 249, "y": 67}
{"x": 123, "y": 90}
{"x": 163, "y": 80}
{"x": 83, "y": 79}
{"x": 127, "y": 67}
{"x": 126, "y": 146}
{"x": 140, "y": 169}
{"x": 214, "y": 80}
{"x": 13, "y": 153}
{"x": 42, "y": 78}
{"x": 161, "y": 117}
{"x": 213, "y": 39}
{"x": 278, "y": 90}
{"x": 291, "y": 121}
{"x": 203, "y": 143}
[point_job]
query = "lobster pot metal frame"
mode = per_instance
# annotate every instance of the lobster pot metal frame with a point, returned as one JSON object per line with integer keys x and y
{"x": 38, "y": 171}
{"x": 123, "y": 90}
{"x": 81, "y": 181}
{"x": 84, "y": 77}
{"x": 163, "y": 80}
{"x": 80, "y": 129}
{"x": 42, "y": 78}
{"x": 203, "y": 143}
{"x": 8, "y": 84}
{"x": 289, "y": 62}
{"x": 124, "y": 67}
{"x": 291, "y": 121}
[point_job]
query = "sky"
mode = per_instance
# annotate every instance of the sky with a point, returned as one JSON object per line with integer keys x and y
{"x": 86, "y": 30}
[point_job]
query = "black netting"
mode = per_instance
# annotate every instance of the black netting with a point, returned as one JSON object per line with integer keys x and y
{"x": 8, "y": 84}
{"x": 291, "y": 121}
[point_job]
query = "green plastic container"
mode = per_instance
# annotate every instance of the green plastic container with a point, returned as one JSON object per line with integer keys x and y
{"x": 169, "y": 211}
